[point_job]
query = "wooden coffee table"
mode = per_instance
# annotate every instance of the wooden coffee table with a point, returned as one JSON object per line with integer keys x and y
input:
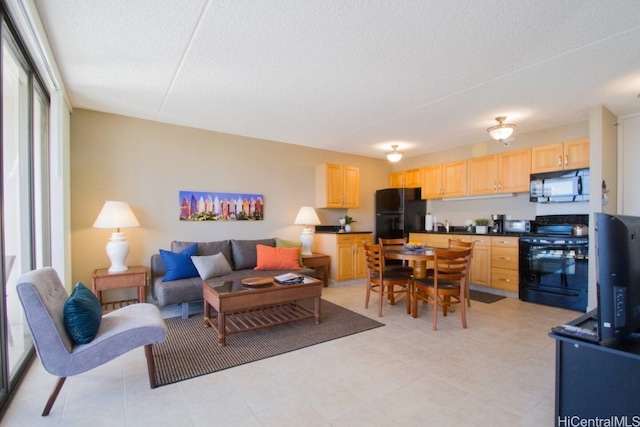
{"x": 243, "y": 308}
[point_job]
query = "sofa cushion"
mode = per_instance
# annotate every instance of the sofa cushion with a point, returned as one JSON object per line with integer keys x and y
{"x": 205, "y": 248}
{"x": 210, "y": 266}
{"x": 82, "y": 314}
{"x": 282, "y": 243}
{"x": 244, "y": 252}
{"x": 179, "y": 265}
{"x": 277, "y": 258}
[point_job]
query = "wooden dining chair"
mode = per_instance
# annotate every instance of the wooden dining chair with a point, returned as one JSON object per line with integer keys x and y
{"x": 396, "y": 244}
{"x": 380, "y": 281}
{"x": 447, "y": 285}
{"x": 457, "y": 243}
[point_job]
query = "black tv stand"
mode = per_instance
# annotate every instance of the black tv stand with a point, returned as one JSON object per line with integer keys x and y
{"x": 597, "y": 380}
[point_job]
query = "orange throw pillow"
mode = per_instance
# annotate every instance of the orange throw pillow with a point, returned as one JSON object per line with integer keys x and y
{"x": 270, "y": 258}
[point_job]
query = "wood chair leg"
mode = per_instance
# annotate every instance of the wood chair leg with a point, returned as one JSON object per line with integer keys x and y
{"x": 53, "y": 396}
{"x": 381, "y": 299}
{"x": 366, "y": 299}
{"x": 151, "y": 365}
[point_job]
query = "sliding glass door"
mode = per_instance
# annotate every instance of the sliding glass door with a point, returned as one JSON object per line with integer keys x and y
{"x": 24, "y": 199}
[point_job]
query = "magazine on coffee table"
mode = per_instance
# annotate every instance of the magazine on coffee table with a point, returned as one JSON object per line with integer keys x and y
{"x": 289, "y": 278}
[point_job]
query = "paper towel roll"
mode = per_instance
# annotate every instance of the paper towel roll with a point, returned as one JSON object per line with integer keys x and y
{"x": 428, "y": 222}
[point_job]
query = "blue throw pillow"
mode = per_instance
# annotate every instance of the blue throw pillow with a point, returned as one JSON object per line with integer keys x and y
{"x": 82, "y": 314}
{"x": 179, "y": 265}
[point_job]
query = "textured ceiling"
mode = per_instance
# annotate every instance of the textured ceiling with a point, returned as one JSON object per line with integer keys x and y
{"x": 352, "y": 76}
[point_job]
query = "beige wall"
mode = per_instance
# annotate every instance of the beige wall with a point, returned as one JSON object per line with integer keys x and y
{"x": 146, "y": 164}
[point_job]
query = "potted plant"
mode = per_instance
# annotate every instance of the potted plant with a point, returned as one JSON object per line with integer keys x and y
{"x": 481, "y": 225}
{"x": 347, "y": 223}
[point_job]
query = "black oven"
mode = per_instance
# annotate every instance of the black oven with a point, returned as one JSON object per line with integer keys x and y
{"x": 554, "y": 268}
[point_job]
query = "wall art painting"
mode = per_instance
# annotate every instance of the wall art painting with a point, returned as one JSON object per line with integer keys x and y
{"x": 211, "y": 206}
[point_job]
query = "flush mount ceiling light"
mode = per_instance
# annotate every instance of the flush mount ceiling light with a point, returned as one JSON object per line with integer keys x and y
{"x": 501, "y": 131}
{"x": 395, "y": 155}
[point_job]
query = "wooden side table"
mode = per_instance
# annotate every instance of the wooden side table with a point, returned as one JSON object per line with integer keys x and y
{"x": 318, "y": 260}
{"x": 134, "y": 277}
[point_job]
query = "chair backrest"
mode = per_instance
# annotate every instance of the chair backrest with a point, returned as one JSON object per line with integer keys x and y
{"x": 457, "y": 243}
{"x": 451, "y": 264}
{"x": 375, "y": 261}
{"x": 392, "y": 243}
{"x": 43, "y": 296}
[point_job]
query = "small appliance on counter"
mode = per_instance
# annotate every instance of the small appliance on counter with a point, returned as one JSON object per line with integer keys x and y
{"x": 518, "y": 226}
{"x": 498, "y": 223}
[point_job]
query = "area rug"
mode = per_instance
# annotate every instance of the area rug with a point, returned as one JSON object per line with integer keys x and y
{"x": 484, "y": 297}
{"x": 191, "y": 350}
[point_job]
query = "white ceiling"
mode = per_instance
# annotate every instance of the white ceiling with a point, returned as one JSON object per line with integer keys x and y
{"x": 352, "y": 76}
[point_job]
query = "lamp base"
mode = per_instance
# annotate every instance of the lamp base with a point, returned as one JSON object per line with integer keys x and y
{"x": 306, "y": 238}
{"x": 117, "y": 250}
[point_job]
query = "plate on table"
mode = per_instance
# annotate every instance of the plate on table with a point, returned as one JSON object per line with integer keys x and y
{"x": 257, "y": 282}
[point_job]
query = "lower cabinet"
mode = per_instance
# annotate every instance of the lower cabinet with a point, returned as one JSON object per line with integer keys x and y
{"x": 494, "y": 263}
{"x": 504, "y": 263}
{"x": 346, "y": 251}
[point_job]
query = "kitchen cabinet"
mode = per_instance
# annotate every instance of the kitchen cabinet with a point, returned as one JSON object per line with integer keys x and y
{"x": 494, "y": 262}
{"x": 564, "y": 155}
{"x": 337, "y": 186}
{"x": 504, "y": 263}
{"x": 500, "y": 173}
{"x": 405, "y": 179}
{"x": 347, "y": 251}
{"x": 480, "y": 269}
{"x": 444, "y": 180}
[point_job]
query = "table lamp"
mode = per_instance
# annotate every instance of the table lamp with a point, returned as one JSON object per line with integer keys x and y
{"x": 307, "y": 216}
{"x": 116, "y": 215}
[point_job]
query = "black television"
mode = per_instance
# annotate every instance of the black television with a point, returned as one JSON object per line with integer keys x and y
{"x": 617, "y": 275}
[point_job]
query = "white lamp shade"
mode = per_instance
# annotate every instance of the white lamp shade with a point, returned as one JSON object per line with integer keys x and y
{"x": 116, "y": 215}
{"x": 307, "y": 216}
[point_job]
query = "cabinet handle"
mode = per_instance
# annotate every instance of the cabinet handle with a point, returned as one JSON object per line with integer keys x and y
{"x": 495, "y": 186}
{"x": 566, "y": 160}
{"x": 504, "y": 280}
{"x": 559, "y": 160}
{"x": 506, "y": 258}
{"x": 499, "y": 186}
{"x": 505, "y": 242}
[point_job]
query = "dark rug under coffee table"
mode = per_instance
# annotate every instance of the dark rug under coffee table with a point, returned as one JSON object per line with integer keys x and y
{"x": 191, "y": 350}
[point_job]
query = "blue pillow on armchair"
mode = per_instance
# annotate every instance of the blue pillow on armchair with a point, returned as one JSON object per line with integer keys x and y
{"x": 82, "y": 314}
{"x": 179, "y": 265}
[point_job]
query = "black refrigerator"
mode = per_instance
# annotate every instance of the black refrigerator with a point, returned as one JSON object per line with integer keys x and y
{"x": 399, "y": 211}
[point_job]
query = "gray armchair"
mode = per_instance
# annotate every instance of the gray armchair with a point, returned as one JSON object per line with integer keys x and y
{"x": 43, "y": 297}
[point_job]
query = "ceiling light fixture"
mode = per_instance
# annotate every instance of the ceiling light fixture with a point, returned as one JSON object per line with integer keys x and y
{"x": 395, "y": 155}
{"x": 501, "y": 131}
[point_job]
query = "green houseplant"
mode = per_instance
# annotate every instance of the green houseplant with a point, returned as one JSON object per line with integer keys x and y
{"x": 481, "y": 225}
{"x": 347, "y": 223}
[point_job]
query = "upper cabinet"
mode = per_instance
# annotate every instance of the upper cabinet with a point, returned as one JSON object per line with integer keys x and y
{"x": 337, "y": 186}
{"x": 564, "y": 155}
{"x": 500, "y": 173}
{"x": 444, "y": 180}
{"x": 405, "y": 179}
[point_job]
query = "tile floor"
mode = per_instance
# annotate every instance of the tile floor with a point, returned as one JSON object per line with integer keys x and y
{"x": 498, "y": 372}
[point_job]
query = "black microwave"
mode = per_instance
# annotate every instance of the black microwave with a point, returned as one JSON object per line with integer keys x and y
{"x": 561, "y": 186}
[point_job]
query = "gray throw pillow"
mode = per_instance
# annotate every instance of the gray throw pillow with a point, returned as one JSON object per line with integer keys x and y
{"x": 244, "y": 252}
{"x": 210, "y": 266}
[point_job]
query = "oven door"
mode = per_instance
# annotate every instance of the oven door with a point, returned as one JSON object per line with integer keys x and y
{"x": 553, "y": 273}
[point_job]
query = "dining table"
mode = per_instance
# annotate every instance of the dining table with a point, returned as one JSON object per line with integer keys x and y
{"x": 418, "y": 259}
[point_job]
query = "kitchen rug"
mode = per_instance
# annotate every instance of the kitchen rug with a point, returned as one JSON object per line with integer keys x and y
{"x": 484, "y": 297}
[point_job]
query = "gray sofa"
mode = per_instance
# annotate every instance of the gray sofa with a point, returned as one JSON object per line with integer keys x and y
{"x": 241, "y": 255}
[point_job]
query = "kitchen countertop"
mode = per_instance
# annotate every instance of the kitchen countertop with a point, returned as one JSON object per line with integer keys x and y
{"x": 469, "y": 233}
{"x": 344, "y": 232}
